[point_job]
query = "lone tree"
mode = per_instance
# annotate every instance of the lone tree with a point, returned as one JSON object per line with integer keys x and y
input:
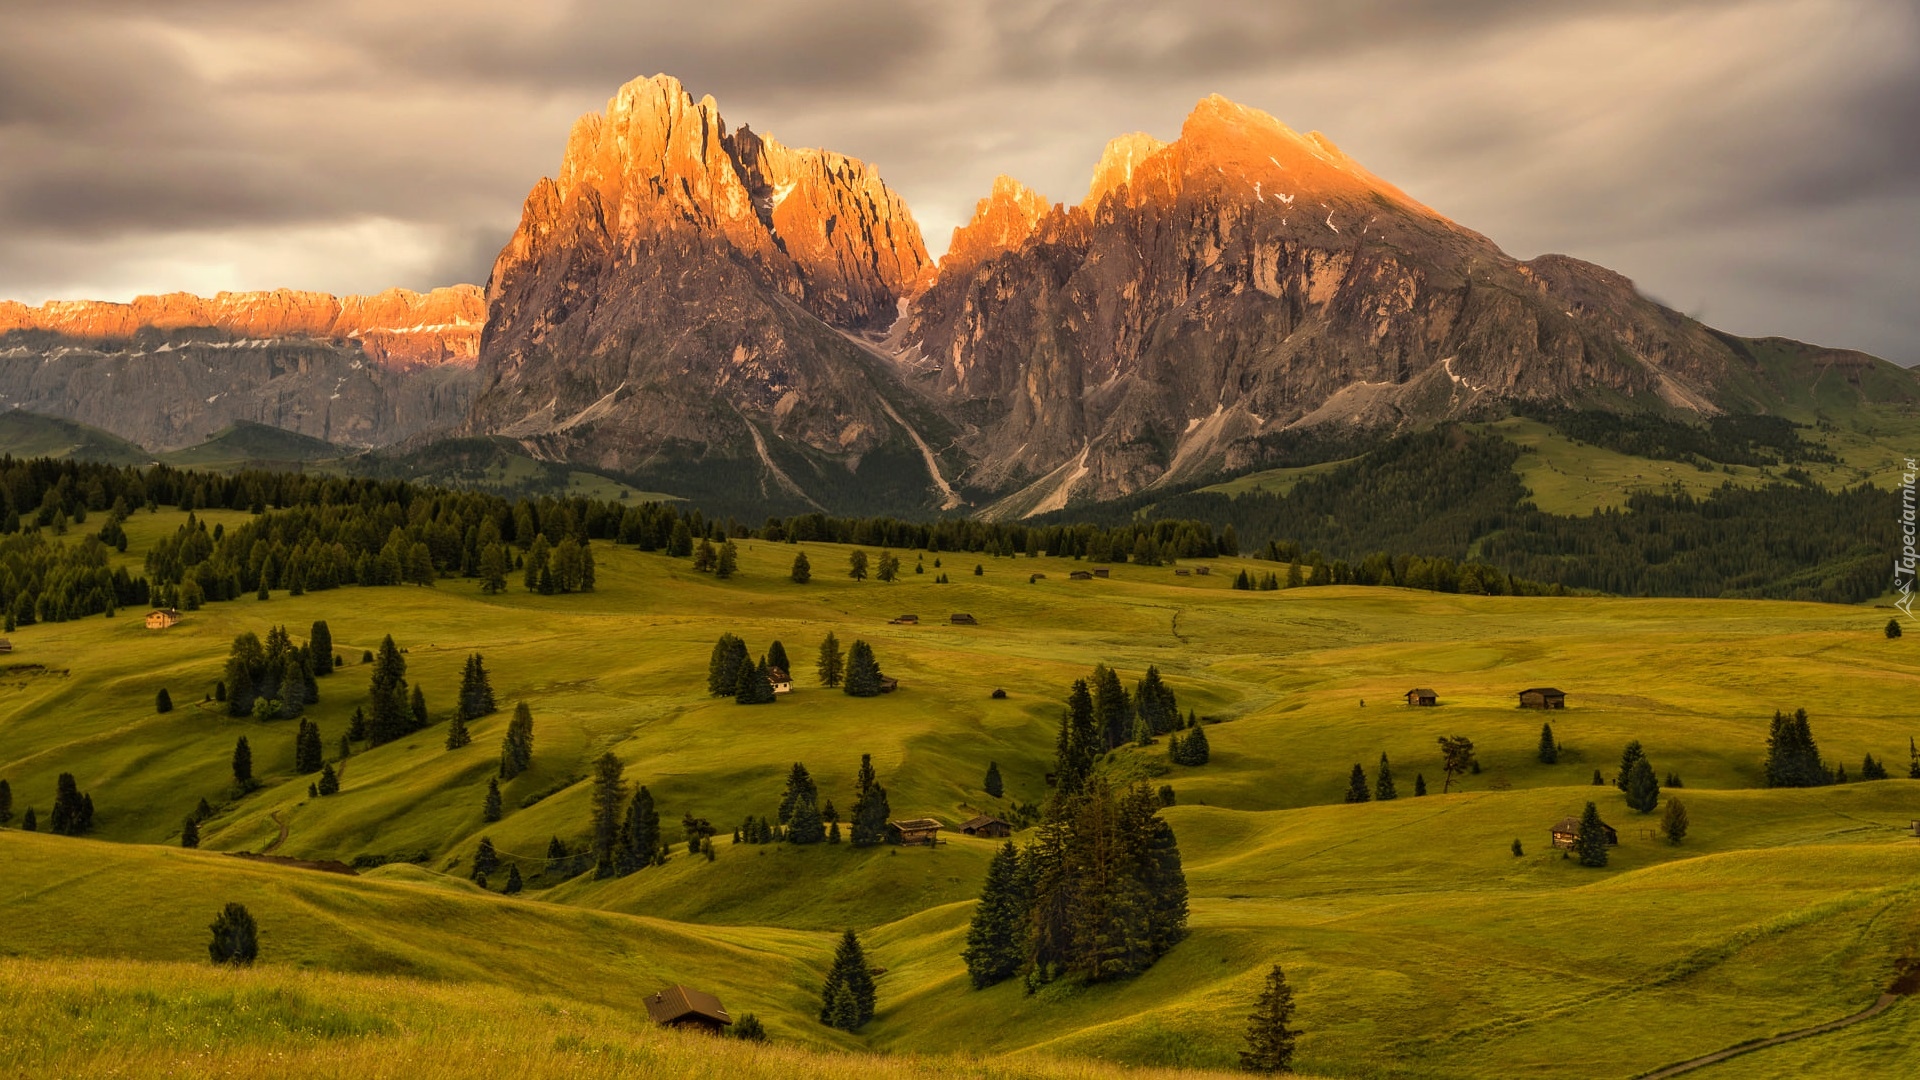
{"x": 1893, "y": 628}
{"x": 190, "y": 833}
{"x": 490, "y": 812}
{"x": 846, "y": 1001}
{"x": 516, "y": 749}
{"x": 1590, "y": 842}
{"x": 1270, "y": 1034}
{"x": 857, "y": 565}
{"x": 870, "y": 809}
{"x": 1456, "y": 759}
{"x": 457, "y": 733}
{"x": 1643, "y": 788}
{"x": 992, "y": 785}
{"x": 320, "y": 639}
{"x": 163, "y": 701}
{"x": 1673, "y": 823}
{"x": 1383, "y": 788}
{"x": 802, "y": 570}
{"x": 1549, "y": 749}
{"x": 832, "y": 665}
{"x": 236, "y": 938}
{"x": 609, "y": 792}
{"x": 863, "y": 671}
{"x": 485, "y": 860}
{"x": 243, "y": 763}
{"x": 1357, "y": 785}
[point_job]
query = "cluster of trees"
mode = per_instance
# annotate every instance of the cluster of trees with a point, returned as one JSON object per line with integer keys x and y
{"x": 72, "y": 809}
{"x": 547, "y": 569}
{"x": 1383, "y": 788}
{"x": 41, "y": 581}
{"x": 731, "y": 673}
{"x": 1190, "y": 748}
{"x": 1793, "y": 758}
{"x": 1728, "y": 440}
{"x": 624, "y": 832}
{"x": 1103, "y": 715}
{"x": 277, "y": 679}
{"x": 1099, "y": 893}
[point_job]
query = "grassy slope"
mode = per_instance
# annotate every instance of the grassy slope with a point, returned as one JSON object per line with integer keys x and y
{"x": 1415, "y": 938}
{"x": 24, "y": 434}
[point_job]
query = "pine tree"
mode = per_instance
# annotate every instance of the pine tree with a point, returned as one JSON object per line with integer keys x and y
{"x": 190, "y": 833}
{"x": 1893, "y": 629}
{"x": 476, "y": 690}
{"x": 777, "y": 658}
{"x": 807, "y": 826}
{"x": 1270, "y": 1034}
{"x": 457, "y": 733}
{"x": 357, "y": 725}
{"x": 1383, "y": 784}
{"x": 728, "y": 562}
{"x": 857, "y": 565}
{"x": 1156, "y": 704}
{"x": 485, "y": 861}
{"x": 163, "y": 702}
{"x": 1456, "y": 756}
{"x": 1673, "y": 823}
{"x": 705, "y": 556}
{"x": 608, "y": 794}
{"x": 1112, "y": 707}
{"x": 236, "y": 937}
{"x": 514, "y": 884}
{"x": 863, "y": 671}
{"x": 832, "y": 665}
{"x": 1871, "y": 769}
{"x": 388, "y": 715}
{"x": 309, "y": 753}
{"x": 639, "y": 834}
{"x": 1793, "y": 759}
{"x": 799, "y": 785}
{"x": 889, "y": 566}
{"x": 329, "y": 781}
{"x": 756, "y": 685}
{"x": 28, "y": 824}
{"x": 1913, "y": 759}
{"x": 1598, "y": 780}
{"x": 1590, "y": 842}
{"x": 1080, "y": 742}
{"x": 490, "y": 811}
{"x": 992, "y": 785}
{"x": 847, "y": 999}
{"x": 516, "y": 749}
{"x": 723, "y": 667}
{"x": 1643, "y": 788}
{"x": 802, "y": 570}
{"x": 1357, "y": 785}
{"x": 418, "y": 708}
{"x": 870, "y": 809}
{"x": 1517, "y": 849}
{"x": 320, "y": 638}
{"x": 1419, "y": 784}
{"x": 749, "y": 1028}
{"x": 1628, "y": 756}
{"x": 243, "y": 764}
{"x": 6, "y": 802}
{"x": 1549, "y": 749}
{"x": 995, "y": 937}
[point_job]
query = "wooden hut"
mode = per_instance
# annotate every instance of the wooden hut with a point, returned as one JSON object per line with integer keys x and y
{"x": 961, "y": 618}
{"x": 5, "y": 645}
{"x": 684, "y": 1007}
{"x": 1080, "y": 575}
{"x": 1422, "y": 696}
{"x": 1183, "y": 573}
{"x": 920, "y": 830}
{"x": 1203, "y": 571}
{"x": 1099, "y": 571}
{"x": 1567, "y": 830}
{"x": 984, "y": 825}
{"x": 1543, "y": 697}
{"x": 782, "y": 681}
{"x": 888, "y": 684}
{"x": 905, "y": 620}
{"x": 162, "y": 618}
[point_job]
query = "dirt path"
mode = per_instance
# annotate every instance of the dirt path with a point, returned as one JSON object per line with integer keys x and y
{"x": 280, "y": 820}
{"x": 1878, "y": 1007}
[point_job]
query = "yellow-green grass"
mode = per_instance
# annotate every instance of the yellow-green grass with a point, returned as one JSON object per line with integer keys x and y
{"x": 1420, "y": 946}
{"x": 1276, "y": 481}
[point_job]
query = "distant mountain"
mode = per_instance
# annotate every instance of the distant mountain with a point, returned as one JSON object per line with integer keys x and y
{"x": 29, "y": 435}
{"x": 170, "y": 371}
{"x": 699, "y": 309}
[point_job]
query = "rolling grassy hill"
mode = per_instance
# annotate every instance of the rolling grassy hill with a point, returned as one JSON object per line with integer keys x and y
{"x": 26, "y": 435}
{"x": 1419, "y": 946}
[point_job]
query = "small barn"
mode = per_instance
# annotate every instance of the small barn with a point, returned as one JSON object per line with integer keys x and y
{"x": 5, "y": 645}
{"x": 961, "y": 618}
{"x": 1567, "y": 830}
{"x": 905, "y": 620}
{"x": 984, "y": 825}
{"x": 1099, "y": 571}
{"x": 1423, "y": 696}
{"x": 782, "y": 682}
{"x": 1183, "y": 573}
{"x": 162, "y": 618}
{"x": 1081, "y": 575}
{"x": 920, "y": 830}
{"x": 1543, "y": 697}
{"x": 684, "y": 1007}
{"x": 888, "y": 684}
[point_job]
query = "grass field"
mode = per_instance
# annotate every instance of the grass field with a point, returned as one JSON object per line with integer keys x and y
{"x": 1417, "y": 944}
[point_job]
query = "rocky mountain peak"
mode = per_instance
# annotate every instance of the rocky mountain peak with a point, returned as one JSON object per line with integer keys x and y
{"x": 1001, "y": 222}
{"x": 1122, "y": 157}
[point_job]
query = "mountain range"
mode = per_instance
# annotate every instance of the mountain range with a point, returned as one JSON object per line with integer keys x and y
{"x": 701, "y": 310}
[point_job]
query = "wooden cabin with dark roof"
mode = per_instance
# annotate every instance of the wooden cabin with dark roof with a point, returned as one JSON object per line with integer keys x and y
{"x": 1423, "y": 696}
{"x": 985, "y": 825}
{"x": 961, "y": 618}
{"x": 683, "y": 1007}
{"x": 162, "y": 618}
{"x": 1543, "y": 697}
{"x": 1567, "y": 830}
{"x": 922, "y": 830}
{"x": 782, "y": 681}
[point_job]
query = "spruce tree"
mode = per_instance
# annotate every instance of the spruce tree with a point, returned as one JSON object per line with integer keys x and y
{"x": 870, "y": 809}
{"x": 832, "y": 665}
{"x": 1112, "y": 707}
{"x": 309, "y": 753}
{"x": 863, "y": 671}
{"x": 417, "y": 708}
{"x": 6, "y": 802}
{"x": 388, "y": 714}
{"x": 514, "y": 884}
{"x": 1673, "y": 823}
{"x": 1195, "y": 748}
{"x": 1590, "y": 841}
{"x": 476, "y": 690}
{"x": 1643, "y": 788}
{"x": 639, "y": 834}
{"x": 756, "y": 685}
{"x": 1893, "y": 629}
{"x": 799, "y": 785}
{"x": 163, "y": 702}
{"x": 1357, "y": 785}
{"x": 608, "y": 794}
{"x": 356, "y": 726}
{"x": 485, "y": 861}
{"x": 704, "y": 556}
{"x": 1913, "y": 759}
{"x": 847, "y": 999}
{"x": 728, "y": 562}
{"x": 807, "y": 826}
{"x": 802, "y": 570}
{"x": 1871, "y": 769}
{"x": 995, "y": 937}
{"x": 1270, "y": 1034}
{"x": 490, "y": 810}
{"x": 1080, "y": 742}
{"x": 723, "y": 667}
{"x": 320, "y": 638}
{"x": 992, "y": 785}
{"x": 329, "y": 781}
{"x": 243, "y": 764}
{"x": 516, "y": 748}
{"x": 190, "y": 833}
{"x": 1628, "y": 756}
{"x": 27, "y": 823}
{"x": 457, "y": 733}
{"x": 777, "y": 658}
{"x": 749, "y": 1028}
{"x": 857, "y": 565}
{"x": 1383, "y": 784}
{"x": 1419, "y": 784}
{"x": 236, "y": 937}
{"x": 1549, "y": 749}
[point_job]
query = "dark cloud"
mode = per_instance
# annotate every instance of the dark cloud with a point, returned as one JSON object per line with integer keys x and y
{"x": 1749, "y": 160}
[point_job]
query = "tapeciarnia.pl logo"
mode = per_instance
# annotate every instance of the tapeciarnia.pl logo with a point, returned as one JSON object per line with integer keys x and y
{"x": 1903, "y": 566}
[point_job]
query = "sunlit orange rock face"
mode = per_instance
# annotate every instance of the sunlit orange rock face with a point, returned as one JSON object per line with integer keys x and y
{"x": 397, "y": 328}
{"x": 680, "y": 283}
{"x": 1001, "y": 222}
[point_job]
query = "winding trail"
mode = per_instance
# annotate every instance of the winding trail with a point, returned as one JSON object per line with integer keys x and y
{"x": 1886, "y": 1001}
{"x": 279, "y": 819}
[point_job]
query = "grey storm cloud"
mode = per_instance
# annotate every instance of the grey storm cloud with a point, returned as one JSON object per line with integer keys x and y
{"x": 1752, "y": 162}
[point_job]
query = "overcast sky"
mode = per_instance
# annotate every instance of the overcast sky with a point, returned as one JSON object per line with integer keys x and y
{"x": 1751, "y": 162}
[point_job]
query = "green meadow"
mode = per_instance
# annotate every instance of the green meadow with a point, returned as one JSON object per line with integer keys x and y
{"x": 1417, "y": 943}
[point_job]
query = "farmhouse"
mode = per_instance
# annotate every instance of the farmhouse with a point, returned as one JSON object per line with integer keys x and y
{"x": 905, "y": 620}
{"x": 920, "y": 830}
{"x": 1567, "y": 830}
{"x": 1422, "y": 696}
{"x": 1080, "y": 575}
{"x": 782, "y": 682}
{"x": 1099, "y": 571}
{"x": 161, "y": 618}
{"x": 1543, "y": 697}
{"x": 983, "y": 825}
{"x": 682, "y": 1007}
{"x": 961, "y": 618}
